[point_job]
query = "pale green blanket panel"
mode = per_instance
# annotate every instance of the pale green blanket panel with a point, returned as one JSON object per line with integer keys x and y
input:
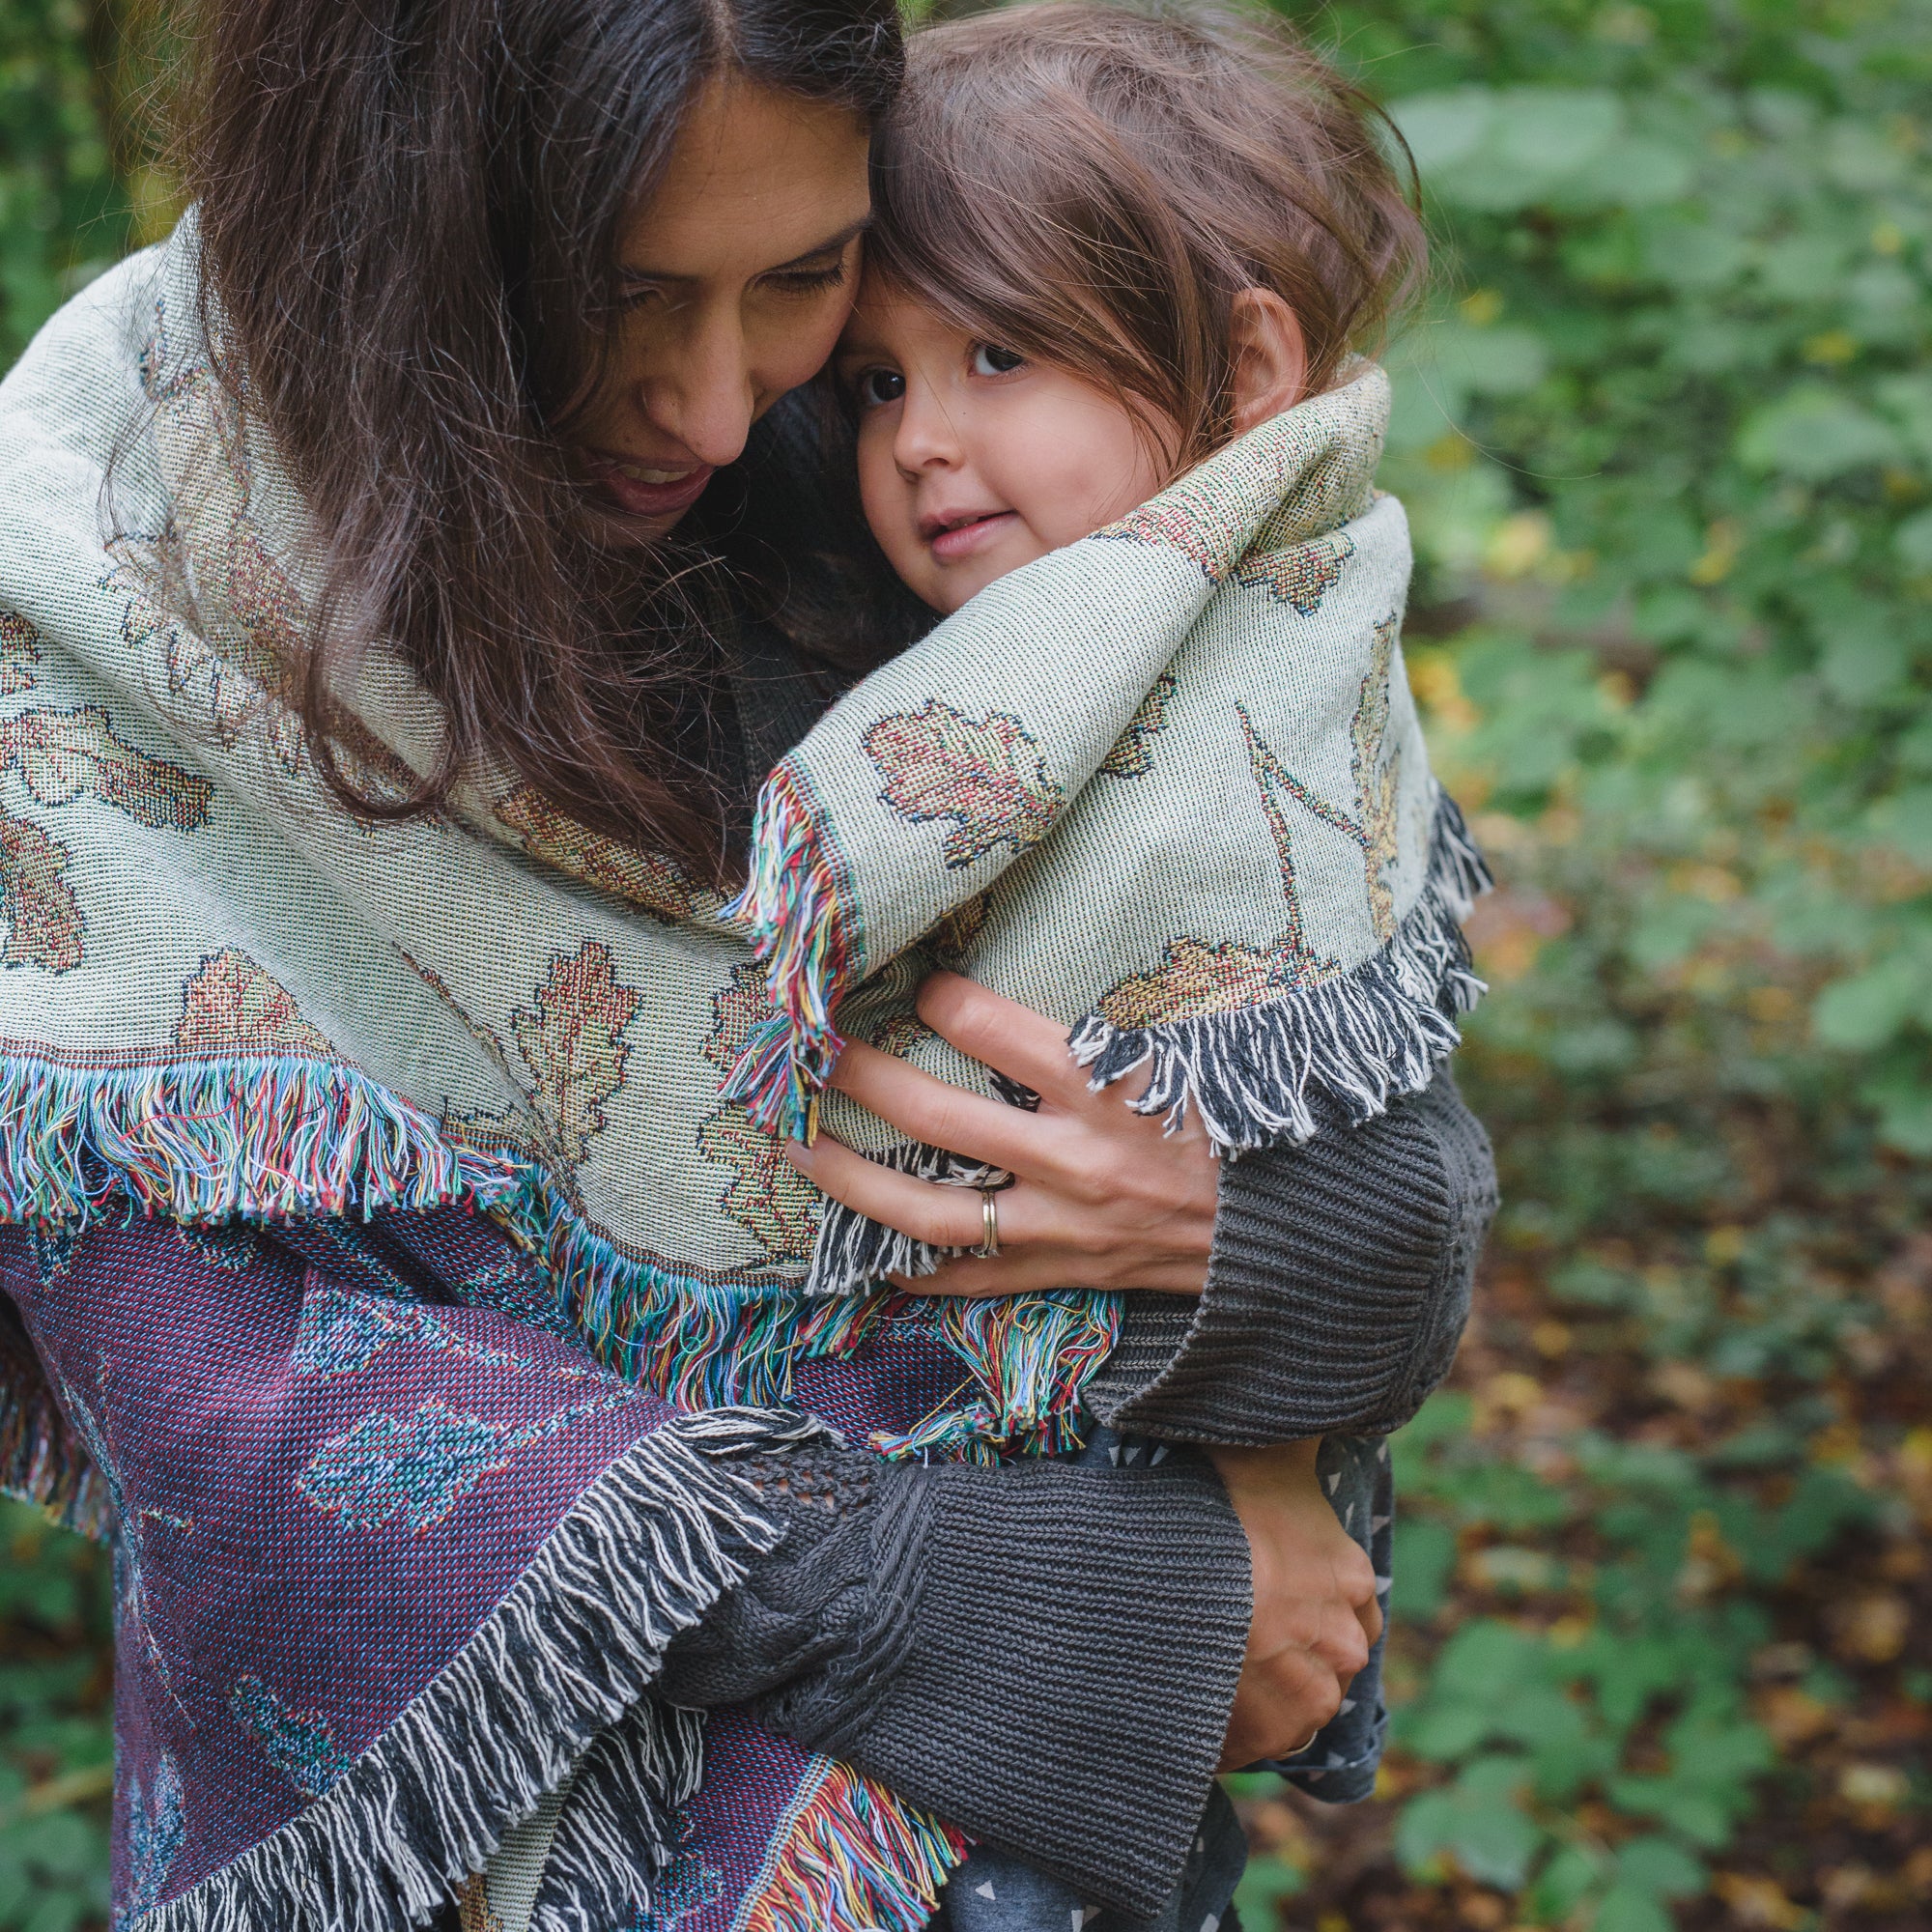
{"x": 1173, "y": 770}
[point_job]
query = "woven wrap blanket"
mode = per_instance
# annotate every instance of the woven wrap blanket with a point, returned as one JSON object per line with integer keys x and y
{"x": 1166, "y": 785}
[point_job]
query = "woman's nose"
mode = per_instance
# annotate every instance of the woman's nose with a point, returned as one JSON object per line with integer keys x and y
{"x": 705, "y": 394}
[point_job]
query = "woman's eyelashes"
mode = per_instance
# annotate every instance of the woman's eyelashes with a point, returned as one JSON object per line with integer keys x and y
{"x": 809, "y": 281}
{"x": 800, "y": 282}
{"x": 635, "y": 297}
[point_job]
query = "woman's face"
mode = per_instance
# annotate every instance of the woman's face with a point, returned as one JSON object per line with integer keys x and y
{"x": 737, "y": 277}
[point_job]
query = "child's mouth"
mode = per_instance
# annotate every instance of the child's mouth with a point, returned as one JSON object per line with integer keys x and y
{"x": 966, "y": 536}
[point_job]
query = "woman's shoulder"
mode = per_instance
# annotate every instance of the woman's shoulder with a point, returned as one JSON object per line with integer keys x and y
{"x": 109, "y": 320}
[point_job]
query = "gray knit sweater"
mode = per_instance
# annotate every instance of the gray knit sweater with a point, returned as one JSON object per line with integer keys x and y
{"x": 1047, "y": 1654}
{"x": 1043, "y": 1654}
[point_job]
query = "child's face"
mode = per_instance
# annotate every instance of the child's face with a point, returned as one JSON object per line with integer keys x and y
{"x": 972, "y": 461}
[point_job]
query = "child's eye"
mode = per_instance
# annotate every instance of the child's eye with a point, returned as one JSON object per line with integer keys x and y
{"x": 877, "y": 388}
{"x": 990, "y": 360}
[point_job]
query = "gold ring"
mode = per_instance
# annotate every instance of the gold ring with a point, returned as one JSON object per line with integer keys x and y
{"x": 1304, "y": 1744}
{"x": 989, "y": 1212}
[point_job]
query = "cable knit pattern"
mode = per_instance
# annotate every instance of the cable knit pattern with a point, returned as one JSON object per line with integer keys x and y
{"x": 1337, "y": 1291}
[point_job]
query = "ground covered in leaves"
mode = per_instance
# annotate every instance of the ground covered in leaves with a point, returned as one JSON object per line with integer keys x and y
{"x": 1706, "y": 1685}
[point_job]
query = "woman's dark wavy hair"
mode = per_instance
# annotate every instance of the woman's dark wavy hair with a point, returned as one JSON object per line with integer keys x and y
{"x": 410, "y": 213}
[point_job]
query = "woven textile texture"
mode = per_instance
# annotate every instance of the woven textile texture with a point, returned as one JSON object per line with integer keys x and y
{"x": 388, "y": 1567}
{"x": 1166, "y": 785}
{"x": 1251, "y": 877}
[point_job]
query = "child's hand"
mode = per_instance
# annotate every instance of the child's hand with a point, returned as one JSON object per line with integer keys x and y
{"x": 1315, "y": 1615}
{"x": 1102, "y": 1197}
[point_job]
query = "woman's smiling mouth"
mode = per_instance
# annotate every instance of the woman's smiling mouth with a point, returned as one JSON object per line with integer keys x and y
{"x": 648, "y": 490}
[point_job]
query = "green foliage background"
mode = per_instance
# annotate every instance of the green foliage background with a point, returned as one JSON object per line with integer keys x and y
{"x": 1665, "y": 433}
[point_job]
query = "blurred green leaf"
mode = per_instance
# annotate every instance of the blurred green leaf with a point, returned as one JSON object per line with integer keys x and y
{"x": 1659, "y": 1867}
{"x": 1814, "y": 433}
{"x": 1869, "y": 1010}
{"x": 1632, "y": 1908}
{"x": 1477, "y": 1820}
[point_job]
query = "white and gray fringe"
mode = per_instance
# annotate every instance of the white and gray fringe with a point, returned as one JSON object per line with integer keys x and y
{"x": 1259, "y": 1077}
{"x": 555, "y": 1679}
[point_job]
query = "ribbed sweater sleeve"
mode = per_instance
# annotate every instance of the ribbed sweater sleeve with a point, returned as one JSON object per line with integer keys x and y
{"x": 1043, "y": 1655}
{"x": 1337, "y": 1289}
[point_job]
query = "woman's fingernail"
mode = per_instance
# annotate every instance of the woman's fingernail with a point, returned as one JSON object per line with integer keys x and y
{"x": 798, "y": 1154}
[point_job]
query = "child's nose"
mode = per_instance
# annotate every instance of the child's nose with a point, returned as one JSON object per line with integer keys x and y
{"x": 927, "y": 438}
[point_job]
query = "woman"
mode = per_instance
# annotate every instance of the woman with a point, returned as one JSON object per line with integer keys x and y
{"x": 396, "y": 752}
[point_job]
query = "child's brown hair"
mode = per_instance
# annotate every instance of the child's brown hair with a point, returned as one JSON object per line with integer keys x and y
{"x": 1092, "y": 185}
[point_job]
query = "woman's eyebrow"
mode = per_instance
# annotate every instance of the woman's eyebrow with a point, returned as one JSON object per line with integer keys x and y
{"x": 832, "y": 245}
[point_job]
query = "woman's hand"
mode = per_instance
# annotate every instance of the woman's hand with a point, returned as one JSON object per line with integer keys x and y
{"x": 1101, "y": 1198}
{"x": 1316, "y": 1614}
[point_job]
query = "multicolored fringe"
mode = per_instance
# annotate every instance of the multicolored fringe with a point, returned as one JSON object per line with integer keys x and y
{"x": 267, "y": 1138}
{"x": 1361, "y": 1039}
{"x": 852, "y": 1856}
{"x": 292, "y": 1137}
{"x": 797, "y": 918}
{"x": 1032, "y": 1356}
{"x": 272, "y": 1138}
{"x": 705, "y": 1345}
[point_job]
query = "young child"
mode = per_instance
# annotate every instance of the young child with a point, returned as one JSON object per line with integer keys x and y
{"x": 1106, "y": 244}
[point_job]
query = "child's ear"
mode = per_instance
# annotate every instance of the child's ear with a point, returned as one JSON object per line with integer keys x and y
{"x": 1269, "y": 356}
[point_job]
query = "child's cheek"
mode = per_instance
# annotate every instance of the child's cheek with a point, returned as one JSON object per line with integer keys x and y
{"x": 885, "y": 498}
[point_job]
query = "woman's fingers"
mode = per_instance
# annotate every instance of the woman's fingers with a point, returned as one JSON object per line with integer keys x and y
{"x": 1279, "y": 1703}
{"x": 1002, "y": 1034}
{"x": 939, "y": 1114}
{"x": 1017, "y": 1270}
{"x": 1370, "y": 1616}
{"x": 1043, "y": 1246}
{"x": 947, "y": 1217}
{"x": 1102, "y": 1200}
{"x": 928, "y": 1211}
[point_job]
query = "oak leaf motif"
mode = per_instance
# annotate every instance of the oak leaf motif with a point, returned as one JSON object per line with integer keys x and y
{"x": 986, "y": 774}
{"x": 571, "y": 1036}
{"x": 766, "y": 1195}
{"x": 644, "y": 878}
{"x": 1378, "y": 776}
{"x": 1133, "y": 754}
{"x": 20, "y": 653}
{"x": 1199, "y": 978}
{"x": 66, "y": 755}
{"x": 235, "y": 1004}
{"x": 416, "y": 1468}
{"x": 736, "y": 1012}
{"x": 62, "y": 757}
{"x": 1301, "y": 573}
{"x": 44, "y": 923}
